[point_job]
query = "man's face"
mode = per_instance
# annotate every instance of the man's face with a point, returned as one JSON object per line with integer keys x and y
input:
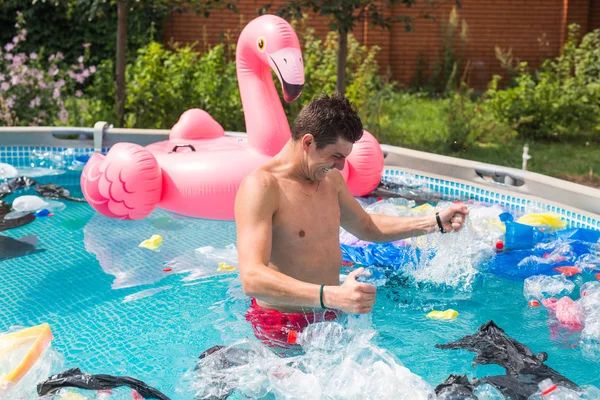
{"x": 321, "y": 161}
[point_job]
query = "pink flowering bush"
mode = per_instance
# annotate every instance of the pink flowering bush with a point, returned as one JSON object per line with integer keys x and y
{"x": 33, "y": 86}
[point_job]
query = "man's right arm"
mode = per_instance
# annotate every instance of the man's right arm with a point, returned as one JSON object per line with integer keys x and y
{"x": 255, "y": 204}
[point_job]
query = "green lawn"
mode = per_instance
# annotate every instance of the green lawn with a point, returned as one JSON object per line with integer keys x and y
{"x": 420, "y": 123}
{"x": 569, "y": 161}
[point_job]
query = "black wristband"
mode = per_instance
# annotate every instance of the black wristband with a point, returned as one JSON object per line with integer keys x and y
{"x": 321, "y": 296}
{"x": 439, "y": 222}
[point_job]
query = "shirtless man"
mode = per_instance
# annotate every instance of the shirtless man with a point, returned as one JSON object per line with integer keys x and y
{"x": 288, "y": 215}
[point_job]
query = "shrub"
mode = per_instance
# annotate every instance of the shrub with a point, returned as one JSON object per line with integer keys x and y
{"x": 61, "y": 26}
{"x": 164, "y": 82}
{"x": 561, "y": 101}
{"x": 33, "y": 86}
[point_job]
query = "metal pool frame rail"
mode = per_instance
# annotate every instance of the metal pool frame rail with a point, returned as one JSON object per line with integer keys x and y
{"x": 488, "y": 181}
{"x": 501, "y": 184}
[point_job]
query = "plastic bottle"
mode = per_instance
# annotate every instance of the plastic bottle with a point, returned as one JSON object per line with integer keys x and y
{"x": 322, "y": 336}
{"x": 488, "y": 392}
{"x": 550, "y": 391}
{"x": 519, "y": 236}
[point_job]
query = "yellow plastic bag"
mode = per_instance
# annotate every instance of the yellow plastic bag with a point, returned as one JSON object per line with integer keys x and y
{"x": 448, "y": 314}
{"x": 543, "y": 219}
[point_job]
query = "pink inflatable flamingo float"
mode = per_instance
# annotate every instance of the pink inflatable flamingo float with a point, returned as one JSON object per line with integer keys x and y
{"x": 198, "y": 170}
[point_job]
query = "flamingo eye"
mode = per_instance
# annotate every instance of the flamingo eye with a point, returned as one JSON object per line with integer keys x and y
{"x": 261, "y": 44}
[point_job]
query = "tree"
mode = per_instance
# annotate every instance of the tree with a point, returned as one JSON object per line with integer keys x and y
{"x": 163, "y": 8}
{"x": 344, "y": 14}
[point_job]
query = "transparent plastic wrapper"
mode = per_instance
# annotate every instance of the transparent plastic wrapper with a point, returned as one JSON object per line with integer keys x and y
{"x": 406, "y": 180}
{"x": 486, "y": 391}
{"x": 47, "y": 159}
{"x": 338, "y": 363}
{"x": 24, "y": 205}
{"x": 7, "y": 171}
{"x": 452, "y": 259}
{"x": 455, "y": 387}
{"x": 210, "y": 255}
{"x": 591, "y": 309}
{"x": 395, "y": 207}
{"x": 375, "y": 276}
{"x": 28, "y": 203}
{"x": 26, "y": 358}
{"x": 560, "y": 254}
{"x": 589, "y": 288}
{"x": 486, "y": 223}
{"x": 539, "y": 287}
{"x": 550, "y": 391}
{"x": 588, "y": 262}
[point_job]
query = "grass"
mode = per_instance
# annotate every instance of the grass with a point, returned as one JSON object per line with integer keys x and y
{"x": 421, "y": 123}
{"x": 576, "y": 162}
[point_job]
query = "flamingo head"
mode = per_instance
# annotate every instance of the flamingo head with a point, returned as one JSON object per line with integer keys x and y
{"x": 272, "y": 42}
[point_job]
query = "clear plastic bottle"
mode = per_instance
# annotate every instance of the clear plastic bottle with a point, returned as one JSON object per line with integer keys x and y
{"x": 319, "y": 336}
{"x": 550, "y": 391}
{"x": 488, "y": 392}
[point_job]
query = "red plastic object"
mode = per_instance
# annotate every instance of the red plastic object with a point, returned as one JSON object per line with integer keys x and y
{"x": 167, "y": 269}
{"x": 379, "y": 198}
{"x": 347, "y": 263}
{"x": 568, "y": 271}
{"x": 549, "y": 390}
{"x": 534, "y": 303}
{"x": 598, "y": 276}
{"x": 135, "y": 395}
{"x": 499, "y": 245}
{"x": 51, "y": 215}
{"x": 292, "y": 336}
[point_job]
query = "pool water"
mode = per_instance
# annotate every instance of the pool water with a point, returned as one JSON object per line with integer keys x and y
{"x": 113, "y": 310}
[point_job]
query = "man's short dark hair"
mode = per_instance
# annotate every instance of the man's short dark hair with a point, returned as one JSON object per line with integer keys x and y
{"x": 328, "y": 118}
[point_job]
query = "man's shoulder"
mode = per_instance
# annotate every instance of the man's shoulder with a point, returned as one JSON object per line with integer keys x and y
{"x": 260, "y": 183}
{"x": 336, "y": 178}
{"x": 261, "y": 177}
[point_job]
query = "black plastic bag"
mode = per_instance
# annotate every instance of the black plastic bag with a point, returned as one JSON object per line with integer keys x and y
{"x": 524, "y": 369}
{"x": 75, "y": 378}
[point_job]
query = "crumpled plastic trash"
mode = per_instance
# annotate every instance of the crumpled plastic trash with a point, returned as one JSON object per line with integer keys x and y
{"x": 210, "y": 255}
{"x": 539, "y": 287}
{"x": 49, "y": 190}
{"x": 524, "y": 369}
{"x": 207, "y": 261}
{"x": 7, "y": 171}
{"x": 590, "y": 301}
{"x": 567, "y": 311}
{"x": 75, "y": 378}
{"x": 26, "y": 358}
{"x": 456, "y": 387}
{"x": 24, "y": 205}
{"x": 153, "y": 243}
{"x": 380, "y": 254}
{"x": 337, "y": 363}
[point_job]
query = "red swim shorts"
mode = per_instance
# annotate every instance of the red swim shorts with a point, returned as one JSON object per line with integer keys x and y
{"x": 271, "y": 326}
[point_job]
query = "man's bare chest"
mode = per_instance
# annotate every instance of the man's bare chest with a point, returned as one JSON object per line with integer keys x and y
{"x": 311, "y": 219}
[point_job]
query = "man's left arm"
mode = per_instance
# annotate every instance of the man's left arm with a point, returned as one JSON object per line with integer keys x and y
{"x": 385, "y": 228}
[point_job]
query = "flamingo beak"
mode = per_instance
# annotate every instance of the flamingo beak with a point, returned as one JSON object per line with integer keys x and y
{"x": 287, "y": 64}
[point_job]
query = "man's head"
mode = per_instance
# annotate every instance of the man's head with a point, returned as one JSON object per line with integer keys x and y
{"x": 326, "y": 128}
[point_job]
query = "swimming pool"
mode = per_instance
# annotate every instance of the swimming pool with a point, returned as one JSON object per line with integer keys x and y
{"x": 113, "y": 309}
